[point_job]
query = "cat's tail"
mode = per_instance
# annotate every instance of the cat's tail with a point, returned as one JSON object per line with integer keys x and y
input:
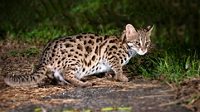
{"x": 29, "y": 80}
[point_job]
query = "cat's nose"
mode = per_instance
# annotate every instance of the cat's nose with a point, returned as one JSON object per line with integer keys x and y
{"x": 143, "y": 49}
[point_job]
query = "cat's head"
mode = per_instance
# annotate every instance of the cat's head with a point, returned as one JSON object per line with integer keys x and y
{"x": 137, "y": 40}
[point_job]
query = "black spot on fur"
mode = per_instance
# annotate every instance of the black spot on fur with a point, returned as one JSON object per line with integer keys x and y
{"x": 80, "y": 54}
{"x": 79, "y": 37}
{"x": 71, "y": 50}
{"x": 123, "y": 55}
{"x": 91, "y": 42}
{"x": 98, "y": 40}
{"x": 88, "y": 49}
{"x": 89, "y": 63}
{"x": 85, "y": 42}
{"x": 125, "y": 58}
{"x": 47, "y": 48}
{"x": 113, "y": 47}
{"x": 74, "y": 69}
{"x": 93, "y": 58}
{"x": 62, "y": 52}
{"x": 102, "y": 45}
{"x": 62, "y": 39}
{"x": 61, "y": 46}
{"x": 106, "y": 49}
{"x": 52, "y": 55}
{"x": 109, "y": 53}
{"x": 92, "y": 37}
{"x": 111, "y": 57}
{"x": 113, "y": 41}
{"x": 59, "y": 62}
{"x": 33, "y": 78}
{"x": 72, "y": 40}
{"x": 68, "y": 45}
{"x": 93, "y": 67}
{"x": 85, "y": 62}
{"x": 105, "y": 37}
{"x": 55, "y": 46}
{"x": 122, "y": 61}
{"x": 86, "y": 55}
{"x": 96, "y": 50}
{"x": 80, "y": 47}
{"x": 83, "y": 69}
{"x": 69, "y": 55}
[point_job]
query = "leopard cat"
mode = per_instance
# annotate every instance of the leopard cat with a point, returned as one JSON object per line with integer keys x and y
{"x": 71, "y": 58}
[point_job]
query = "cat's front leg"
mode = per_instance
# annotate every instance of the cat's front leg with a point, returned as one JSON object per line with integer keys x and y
{"x": 116, "y": 66}
{"x": 120, "y": 76}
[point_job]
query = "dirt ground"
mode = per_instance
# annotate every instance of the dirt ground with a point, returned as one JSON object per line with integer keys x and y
{"x": 138, "y": 95}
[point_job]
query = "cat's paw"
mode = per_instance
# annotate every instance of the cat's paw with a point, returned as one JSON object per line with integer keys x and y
{"x": 121, "y": 78}
{"x": 108, "y": 75}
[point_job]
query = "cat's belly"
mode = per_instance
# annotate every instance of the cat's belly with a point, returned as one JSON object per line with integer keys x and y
{"x": 99, "y": 68}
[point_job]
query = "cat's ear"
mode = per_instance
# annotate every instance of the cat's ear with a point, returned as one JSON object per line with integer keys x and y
{"x": 149, "y": 30}
{"x": 128, "y": 33}
{"x": 130, "y": 30}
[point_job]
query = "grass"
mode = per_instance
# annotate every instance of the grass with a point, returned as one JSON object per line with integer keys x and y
{"x": 169, "y": 65}
{"x": 174, "y": 68}
{"x": 27, "y": 52}
{"x": 40, "y": 34}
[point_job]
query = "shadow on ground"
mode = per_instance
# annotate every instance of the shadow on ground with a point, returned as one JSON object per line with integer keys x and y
{"x": 139, "y": 96}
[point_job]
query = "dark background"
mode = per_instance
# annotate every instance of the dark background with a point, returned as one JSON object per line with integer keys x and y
{"x": 176, "y": 21}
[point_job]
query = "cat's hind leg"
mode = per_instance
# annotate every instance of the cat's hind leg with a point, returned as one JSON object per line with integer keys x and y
{"x": 70, "y": 77}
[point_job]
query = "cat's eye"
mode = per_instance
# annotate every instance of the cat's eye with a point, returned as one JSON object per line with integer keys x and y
{"x": 147, "y": 44}
{"x": 137, "y": 43}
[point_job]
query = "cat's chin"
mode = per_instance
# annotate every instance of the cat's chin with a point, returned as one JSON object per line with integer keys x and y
{"x": 141, "y": 52}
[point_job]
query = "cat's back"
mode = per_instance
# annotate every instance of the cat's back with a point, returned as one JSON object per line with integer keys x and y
{"x": 84, "y": 45}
